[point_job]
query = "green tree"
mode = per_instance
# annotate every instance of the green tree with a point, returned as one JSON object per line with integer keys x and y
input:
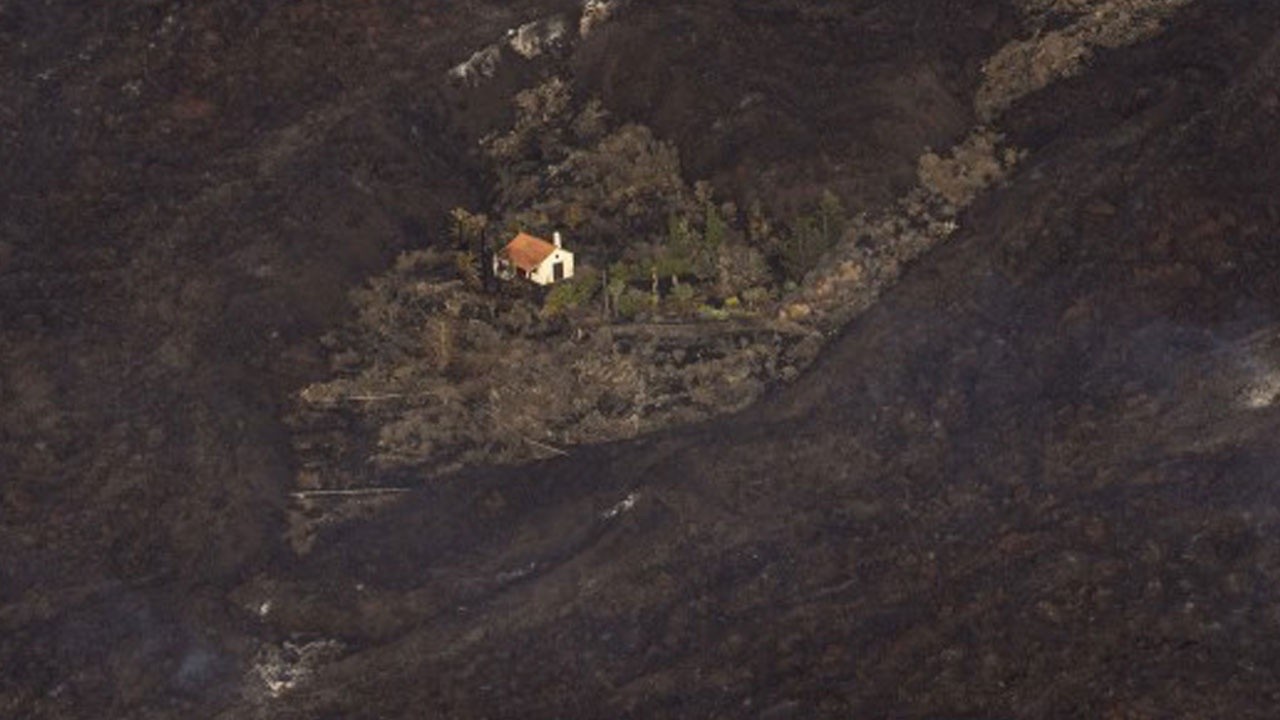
{"x": 468, "y": 268}
{"x": 620, "y": 276}
{"x": 714, "y": 230}
{"x": 832, "y": 217}
{"x": 759, "y": 229}
{"x": 801, "y": 247}
{"x": 809, "y": 237}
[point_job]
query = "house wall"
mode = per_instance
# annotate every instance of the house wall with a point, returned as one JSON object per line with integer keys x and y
{"x": 543, "y": 273}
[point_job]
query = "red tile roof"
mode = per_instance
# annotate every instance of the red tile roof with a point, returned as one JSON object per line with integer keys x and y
{"x": 527, "y": 252}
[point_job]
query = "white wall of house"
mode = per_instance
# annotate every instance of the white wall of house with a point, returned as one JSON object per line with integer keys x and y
{"x": 544, "y": 274}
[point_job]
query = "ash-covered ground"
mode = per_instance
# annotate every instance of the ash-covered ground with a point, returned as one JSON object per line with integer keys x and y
{"x": 1033, "y": 478}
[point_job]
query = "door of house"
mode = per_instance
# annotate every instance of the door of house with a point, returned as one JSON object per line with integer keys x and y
{"x": 557, "y": 271}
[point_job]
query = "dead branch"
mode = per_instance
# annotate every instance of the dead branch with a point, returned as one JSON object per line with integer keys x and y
{"x": 304, "y": 494}
{"x": 544, "y": 446}
{"x": 372, "y": 398}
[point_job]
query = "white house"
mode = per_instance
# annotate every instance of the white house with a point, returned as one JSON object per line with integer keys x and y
{"x": 534, "y": 259}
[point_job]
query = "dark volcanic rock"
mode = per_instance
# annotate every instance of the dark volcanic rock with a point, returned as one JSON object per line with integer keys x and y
{"x": 1036, "y": 480}
{"x": 186, "y": 191}
{"x": 779, "y": 99}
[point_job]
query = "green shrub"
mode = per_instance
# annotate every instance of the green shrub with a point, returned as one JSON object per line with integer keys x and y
{"x": 681, "y": 298}
{"x": 755, "y": 297}
{"x": 632, "y": 303}
{"x": 706, "y": 312}
{"x": 738, "y": 267}
{"x": 572, "y": 293}
{"x": 672, "y": 265}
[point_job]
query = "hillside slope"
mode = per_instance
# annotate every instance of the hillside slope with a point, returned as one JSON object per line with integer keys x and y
{"x": 1034, "y": 480}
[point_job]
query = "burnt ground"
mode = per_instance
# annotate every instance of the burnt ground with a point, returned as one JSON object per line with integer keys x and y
{"x": 1035, "y": 480}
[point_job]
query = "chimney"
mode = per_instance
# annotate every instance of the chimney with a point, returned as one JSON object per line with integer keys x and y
{"x": 555, "y": 238}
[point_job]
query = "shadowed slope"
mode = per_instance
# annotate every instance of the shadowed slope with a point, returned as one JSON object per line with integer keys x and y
{"x": 1036, "y": 480}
